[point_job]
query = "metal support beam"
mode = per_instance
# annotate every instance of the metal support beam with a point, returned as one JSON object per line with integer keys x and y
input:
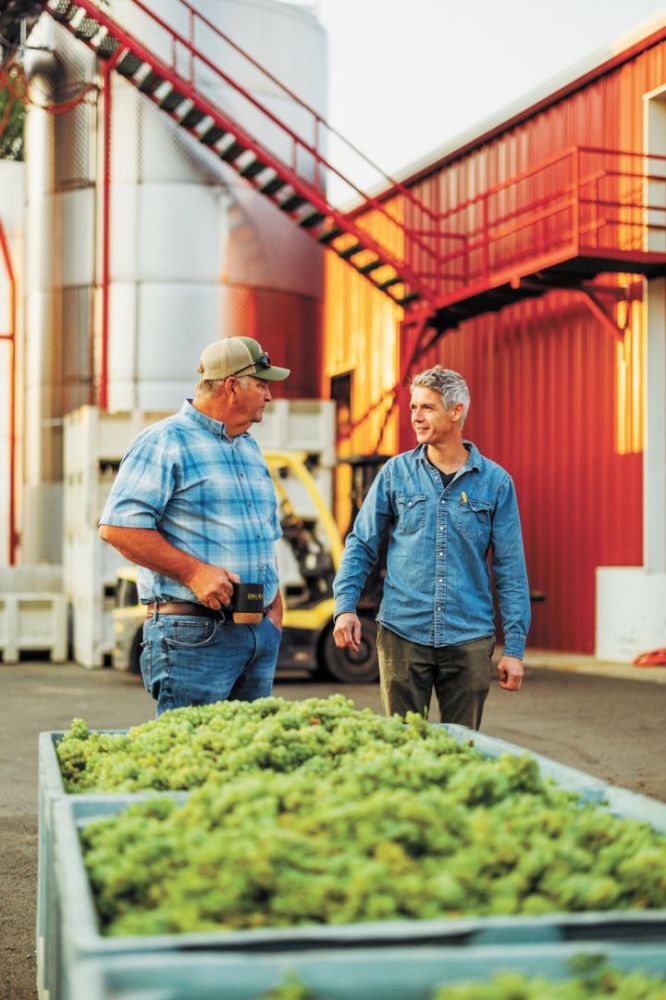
{"x": 592, "y": 294}
{"x": 604, "y": 315}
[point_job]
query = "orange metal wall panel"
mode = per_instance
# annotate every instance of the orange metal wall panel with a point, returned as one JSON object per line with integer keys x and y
{"x": 361, "y": 327}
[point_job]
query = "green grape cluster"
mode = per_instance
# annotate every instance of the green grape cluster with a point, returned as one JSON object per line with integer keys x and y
{"x": 601, "y": 982}
{"x": 183, "y": 748}
{"x": 369, "y": 820}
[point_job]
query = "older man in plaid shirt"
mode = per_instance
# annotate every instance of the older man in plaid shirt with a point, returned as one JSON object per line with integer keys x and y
{"x": 194, "y": 506}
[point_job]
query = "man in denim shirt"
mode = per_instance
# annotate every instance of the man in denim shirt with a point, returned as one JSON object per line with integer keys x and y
{"x": 444, "y": 507}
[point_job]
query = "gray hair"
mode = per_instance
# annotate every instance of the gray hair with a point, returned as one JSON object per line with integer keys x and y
{"x": 449, "y": 384}
{"x": 211, "y": 386}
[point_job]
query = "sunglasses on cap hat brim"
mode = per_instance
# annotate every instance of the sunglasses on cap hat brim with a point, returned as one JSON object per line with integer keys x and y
{"x": 263, "y": 360}
{"x": 262, "y": 368}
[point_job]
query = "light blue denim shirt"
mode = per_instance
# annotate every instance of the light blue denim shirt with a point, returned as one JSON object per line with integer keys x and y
{"x": 437, "y": 590}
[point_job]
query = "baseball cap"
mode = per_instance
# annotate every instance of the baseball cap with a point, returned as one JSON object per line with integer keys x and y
{"x": 238, "y": 356}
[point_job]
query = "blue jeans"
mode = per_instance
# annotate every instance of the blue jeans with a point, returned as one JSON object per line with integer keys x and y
{"x": 186, "y": 660}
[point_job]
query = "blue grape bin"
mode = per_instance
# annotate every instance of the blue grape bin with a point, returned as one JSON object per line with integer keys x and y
{"x": 74, "y": 945}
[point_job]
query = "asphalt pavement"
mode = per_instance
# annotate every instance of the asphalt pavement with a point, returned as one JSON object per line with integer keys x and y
{"x": 607, "y": 720}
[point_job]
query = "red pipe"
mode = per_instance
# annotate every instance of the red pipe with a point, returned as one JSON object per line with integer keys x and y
{"x": 106, "y": 240}
{"x": 10, "y": 337}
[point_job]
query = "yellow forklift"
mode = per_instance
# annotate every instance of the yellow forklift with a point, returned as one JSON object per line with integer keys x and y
{"x": 313, "y": 541}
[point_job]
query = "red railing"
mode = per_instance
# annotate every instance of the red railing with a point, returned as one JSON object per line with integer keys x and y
{"x": 583, "y": 202}
{"x": 195, "y": 50}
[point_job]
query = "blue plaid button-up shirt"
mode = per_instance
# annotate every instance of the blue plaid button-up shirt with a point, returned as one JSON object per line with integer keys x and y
{"x": 210, "y": 495}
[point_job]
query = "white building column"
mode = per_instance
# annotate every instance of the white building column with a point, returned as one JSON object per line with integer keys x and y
{"x": 631, "y": 601}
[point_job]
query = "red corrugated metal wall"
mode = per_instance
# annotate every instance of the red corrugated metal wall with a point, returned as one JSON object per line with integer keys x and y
{"x": 288, "y": 326}
{"x": 543, "y": 373}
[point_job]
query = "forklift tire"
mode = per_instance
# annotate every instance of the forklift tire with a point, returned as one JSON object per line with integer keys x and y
{"x": 348, "y": 667}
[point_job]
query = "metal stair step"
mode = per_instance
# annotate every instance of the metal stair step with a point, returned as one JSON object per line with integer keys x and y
{"x": 308, "y": 221}
{"x": 107, "y": 47}
{"x": 406, "y": 299}
{"x": 86, "y": 29}
{"x": 331, "y": 234}
{"x": 350, "y": 251}
{"x": 232, "y": 151}
{"x": 294, "y": 201}
{"x": 212, "y": 135}
{"x": 129, "y": 64}
{"x": 172, "y": 101}
{"x": 252, "y": 169}
{"x": 192, "y": 118}
{"x": 395, "y": 280}
{"x": 273, "y": 185}
{"x": 150, "y": 82}
{"x": 372, "y": 266}
{"x": 61, "y": 10}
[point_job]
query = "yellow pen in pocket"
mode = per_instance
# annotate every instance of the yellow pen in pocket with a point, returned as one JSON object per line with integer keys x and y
{"x": 463, "y": 497}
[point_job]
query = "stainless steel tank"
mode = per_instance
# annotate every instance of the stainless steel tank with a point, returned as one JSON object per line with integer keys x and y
{"x": 195, "y": 253}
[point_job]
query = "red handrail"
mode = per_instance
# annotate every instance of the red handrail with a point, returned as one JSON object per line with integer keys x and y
{"x": 313, "y": 150}
{"x": 582, "y": 202}
{"x": 299, "y": 185}
{"x": 195, "y": 15}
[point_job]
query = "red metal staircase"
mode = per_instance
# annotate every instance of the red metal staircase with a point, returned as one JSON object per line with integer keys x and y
{"x": 173, "y": 85}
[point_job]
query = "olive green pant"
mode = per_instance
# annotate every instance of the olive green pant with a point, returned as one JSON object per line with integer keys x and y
{"x": 459, "y": 675}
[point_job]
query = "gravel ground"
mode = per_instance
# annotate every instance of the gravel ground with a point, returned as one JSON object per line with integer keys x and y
{"x": 609, "y": 726}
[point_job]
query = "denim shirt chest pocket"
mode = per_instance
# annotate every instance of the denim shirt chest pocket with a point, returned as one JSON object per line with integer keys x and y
{"x": 411, "y": 512}
{"x": 473, "y": 518}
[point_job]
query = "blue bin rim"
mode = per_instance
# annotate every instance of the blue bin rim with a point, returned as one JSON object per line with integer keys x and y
{"x": 397, "y": 973}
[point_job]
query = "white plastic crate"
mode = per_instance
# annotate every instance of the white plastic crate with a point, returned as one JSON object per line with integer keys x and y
{"x": 94, "y": 444}
{"x": 33, "y": 621}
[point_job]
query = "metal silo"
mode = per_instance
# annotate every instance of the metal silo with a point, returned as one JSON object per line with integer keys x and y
{"x": 116, "y": 313}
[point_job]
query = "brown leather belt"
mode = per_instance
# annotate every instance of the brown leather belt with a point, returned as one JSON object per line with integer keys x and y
{"x": 188, "y": 608}
{"x": 183, "y": 608}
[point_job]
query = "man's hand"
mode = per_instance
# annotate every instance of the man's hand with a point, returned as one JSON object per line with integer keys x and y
{"x": 276, "y": 611}
{"x": 347, "y": 631}
{"x": 147, "y": 547}
{"x": 510, "y": 672}
{"x": 212, "y": 585}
